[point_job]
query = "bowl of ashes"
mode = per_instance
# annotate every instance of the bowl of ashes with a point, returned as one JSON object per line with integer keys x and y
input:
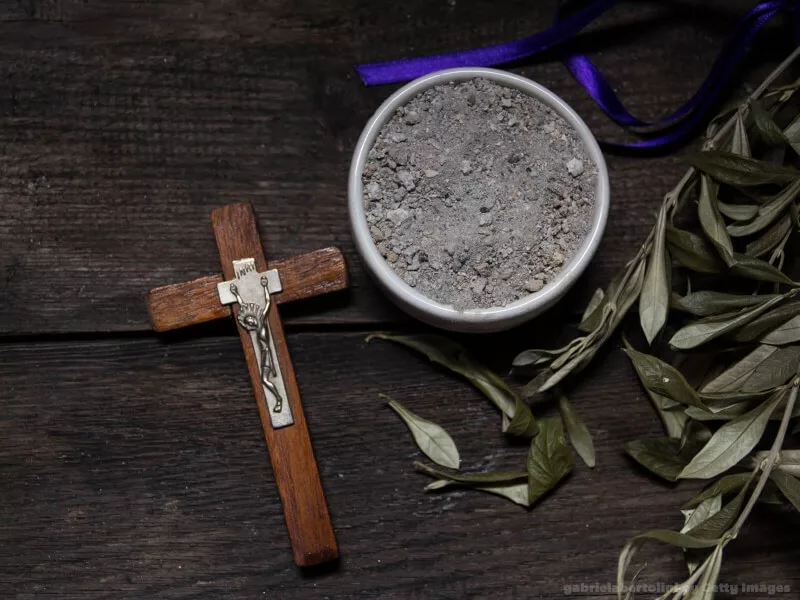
{"x": 477, "y": 198}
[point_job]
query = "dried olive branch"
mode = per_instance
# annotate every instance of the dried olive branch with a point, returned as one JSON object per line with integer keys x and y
{"x": 769, "y": 462}
{"x": 600, "y": 321}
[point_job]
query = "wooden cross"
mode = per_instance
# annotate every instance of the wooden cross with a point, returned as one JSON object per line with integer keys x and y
{"x": 252, "y": 291}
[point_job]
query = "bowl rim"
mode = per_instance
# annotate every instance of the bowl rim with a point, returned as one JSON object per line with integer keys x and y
{"x": 530, "y": 304}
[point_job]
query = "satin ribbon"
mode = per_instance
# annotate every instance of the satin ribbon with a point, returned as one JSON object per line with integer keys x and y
{"x": 673, "y": 127}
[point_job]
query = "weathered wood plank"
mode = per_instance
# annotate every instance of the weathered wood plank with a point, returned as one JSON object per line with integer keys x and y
{"x": 123, "y": 125}
{"x": 137, "y": 468}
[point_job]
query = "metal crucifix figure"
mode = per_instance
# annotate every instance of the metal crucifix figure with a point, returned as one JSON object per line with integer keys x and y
{"x": 254, "y": 319}
{"x": 252, "y": 291}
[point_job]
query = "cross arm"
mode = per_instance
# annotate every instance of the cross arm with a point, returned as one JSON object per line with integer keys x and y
{"x": 196, "y": 301}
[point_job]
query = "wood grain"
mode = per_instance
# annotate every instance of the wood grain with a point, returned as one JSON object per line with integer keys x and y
{"x": 290, "y": 451}
{"x": 123, "y": 124}
{"x": 189, "y": 303}
{"x": 135, "y": 469}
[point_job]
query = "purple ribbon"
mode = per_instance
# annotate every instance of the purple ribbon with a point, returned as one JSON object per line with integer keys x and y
{"x": 673, "y": 127}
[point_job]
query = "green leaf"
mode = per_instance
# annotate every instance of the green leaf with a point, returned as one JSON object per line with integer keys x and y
{"x": 549, "y": 459}
{"x": 738, "y": 212}
{"x": 454, "y": 356}
{"x": 693, "y": 517}
{"x": 792, "y": 133}
{"x": 662, "y": 456}
{"x": 740, "y": 145}
{"x": 523, "y": 423}
{"x": 771, "y": 238}
{"x": 588, "y": 320}
{"x": 711, "y": 220}
{"x": 699, "y": 332}
{"x": 768, "y": 212}
{"x": 766, "y": 126}
{"x": 750, "y": 267}
{"x": 731, "y": 443}
{"x": 729, "y": 413}
{"x": 674, "y": 421}
{"x": 705, "y": 509}
{"x": 719, "y": 400}
{"x": 740, "y": 171}
{"x": 767, "y": 322}
{"x": 717, "y": 524}
{"x": 788, "y": 333}
{"x": 471, "y": 479}
{"x": 707, "y": 303}
{"x": 433, "y": 440}
{"x": 788, "y": 485}
{"x": 723, "y": 485}
{"x": 654, "y": 298}
{"x": 663, "y": 379}
{"x": 512, "y": 485}
{"x": 578, "y": 433}
{"x": 764, "y": 368}
{"x": 693, "y": 252}
{"x": 529, "y": 358}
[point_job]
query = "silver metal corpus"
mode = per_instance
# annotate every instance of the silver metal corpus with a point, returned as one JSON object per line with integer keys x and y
{"x": 251, "y": 290}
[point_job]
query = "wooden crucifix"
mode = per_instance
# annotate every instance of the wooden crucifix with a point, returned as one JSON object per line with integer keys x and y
{"x": 249, "y": 291}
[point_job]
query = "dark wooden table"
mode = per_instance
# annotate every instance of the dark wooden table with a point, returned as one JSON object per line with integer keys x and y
{"x": 133, "y": 465}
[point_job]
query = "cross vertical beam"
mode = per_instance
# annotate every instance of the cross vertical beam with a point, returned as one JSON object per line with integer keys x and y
{"x": 296, "y": 474}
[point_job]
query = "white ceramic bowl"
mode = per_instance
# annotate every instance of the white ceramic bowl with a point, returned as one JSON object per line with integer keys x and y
{"x": 478, "y": 319}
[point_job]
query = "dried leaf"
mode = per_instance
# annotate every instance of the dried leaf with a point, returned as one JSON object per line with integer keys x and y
{"x": 488, "y": 478}
{"x": 588, "y": 319}
{"x": 731, "y": 443}
{"x": 767, "y": 213}
{"x": 792, "y": 133}
{"x": 788, "y": 333}
{"x": 766, "y": 126}
{"x": 740, "y": 171}
{"x": 693, "y": 251}
{"x": 453, "y": 356}
{"x": 758, "y": 328}
{"x": 764, "y": 368}
{"x": 771, "y": 238}
{"x": 711, "y": 220}
{"x": 738, "y": 212}
{"x": 788, "y": 485}
{"x": 512, "y": 485}
{"x": 704, "y": 510}
{"x": 717, "y": 524}
{"x": 523, "y": 424}
{"x": 432, "y": 439}
{"x": 529, "y": 358}
{"x": 663, "y": 379}
{"x": 654, "y": 297}
{"x": 699, "y": 332}
{"x": 663, "y": 456}
{"x": 740, "y": 143}
{"x": 549, "y": 459}
{"x": 707, "y": 303}
{"x": 693, "y": 517}
{"x": 723, "y": 485}
{"x": 578, "y": 433}
{"x": 673, "y": 420}
{"x": 750, "y": 267}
